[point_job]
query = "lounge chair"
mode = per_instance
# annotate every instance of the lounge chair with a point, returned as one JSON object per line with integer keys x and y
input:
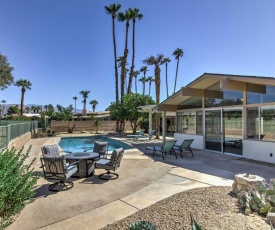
{"x": 141, "y": 132}
{"x": 110, "y": 164}
{"x": 55, "y": 168}
{"x": 184, "y": 147}
{"x": 149, "y": 137}
{"x": 167, "y": 147}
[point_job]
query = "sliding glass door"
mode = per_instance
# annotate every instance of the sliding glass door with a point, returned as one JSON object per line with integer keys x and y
{"x": 213, "y": 130}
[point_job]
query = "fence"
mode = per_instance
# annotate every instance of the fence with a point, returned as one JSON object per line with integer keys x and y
{"x": 12, "y": 129}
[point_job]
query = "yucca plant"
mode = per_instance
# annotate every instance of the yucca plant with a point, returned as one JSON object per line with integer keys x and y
{"x": 141, "y": 225}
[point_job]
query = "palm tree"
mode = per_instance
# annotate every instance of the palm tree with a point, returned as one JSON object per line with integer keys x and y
{"x": 24, "y": 84}
{"x": 46, "y": 107}
{"x": 135, "y": 74}
{"x": 150, "y": 79}
{"x": 93, "y": 103}
{"x": 3, "y": 102}
{"x": 143, "y": 69}
{"x": 122, "y": 17}
{"x": 166, "y": 61}
{"x": 143, "y": 80}
{"x": 177, "y": 53}
{"x": 27, "y": 109}
{"x": 75, "y": 98}
{"x": 84, "y": 94}
{"x": 33, "y": 108}
{"x": 134, "y": 15}
{"x": 112, "y": 10}
{"x": 156, "y": 61}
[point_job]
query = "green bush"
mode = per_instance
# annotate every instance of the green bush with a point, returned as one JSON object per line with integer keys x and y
{"x": 141, "y": 225}
{"x": 16, "y": 184}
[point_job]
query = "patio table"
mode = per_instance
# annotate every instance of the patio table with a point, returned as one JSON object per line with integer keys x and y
{"x": 86, "y": 164}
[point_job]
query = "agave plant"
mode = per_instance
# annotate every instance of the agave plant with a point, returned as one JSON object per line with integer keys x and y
{"x": 141, "y": 225}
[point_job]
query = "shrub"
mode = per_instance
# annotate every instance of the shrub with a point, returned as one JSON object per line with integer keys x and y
{"x": 16, "y": 185}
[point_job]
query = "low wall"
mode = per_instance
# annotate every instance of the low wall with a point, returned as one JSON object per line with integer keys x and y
{"x": 20, "y": 141}
{"x": 62, "y": 126}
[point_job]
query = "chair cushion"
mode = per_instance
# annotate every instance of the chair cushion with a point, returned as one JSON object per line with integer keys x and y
{"x": 51, "y": 150}
{"x": 115, "y": 155}
{"x": 47, "y": 156}
{"x": 100, "y": 147}
{"x": 104, "y": 164}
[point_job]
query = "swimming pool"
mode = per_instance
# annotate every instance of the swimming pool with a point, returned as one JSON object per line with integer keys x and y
{"x": 79, "y": 144}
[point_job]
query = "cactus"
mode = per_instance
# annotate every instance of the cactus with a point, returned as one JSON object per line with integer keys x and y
{"x": 261, "y": 199}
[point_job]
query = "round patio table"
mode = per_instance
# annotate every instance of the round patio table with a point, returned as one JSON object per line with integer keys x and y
{"x": 86, "y": 164}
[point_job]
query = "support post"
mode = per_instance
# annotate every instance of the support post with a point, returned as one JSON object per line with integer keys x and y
{"x": 164, "y": 126}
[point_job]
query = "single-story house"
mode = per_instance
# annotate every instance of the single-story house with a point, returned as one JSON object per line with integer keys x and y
{"x": 228, "y": 114}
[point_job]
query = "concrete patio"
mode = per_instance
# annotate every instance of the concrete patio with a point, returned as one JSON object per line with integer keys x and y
{"x": 143, "y": 180}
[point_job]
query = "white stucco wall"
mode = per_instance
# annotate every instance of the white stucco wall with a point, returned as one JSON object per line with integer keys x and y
{"x": 259, "y": 150}
{"x": 196, "y": 144}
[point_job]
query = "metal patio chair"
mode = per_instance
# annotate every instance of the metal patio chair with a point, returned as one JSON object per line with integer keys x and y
{"x": 184, "y": 147}
{"x": 167, "y": 147}
{"x": 55, "y": 168}
{"x": 110, "y": 164}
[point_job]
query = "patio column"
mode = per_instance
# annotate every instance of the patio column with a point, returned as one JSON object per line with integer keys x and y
{"x": 150, "y": 120}
{"x": 164, "y": 124}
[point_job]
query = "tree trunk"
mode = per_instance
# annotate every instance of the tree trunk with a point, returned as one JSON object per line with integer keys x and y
{"x": 166, "y": 65}
{"x": 116, "y": 70}
{"x": 124, "y": 61}
{"x": 22, "y": 101}
{"x": 176, "y": 75}
{"x": 133, "y": 60}
{"x": 157, "y": 82}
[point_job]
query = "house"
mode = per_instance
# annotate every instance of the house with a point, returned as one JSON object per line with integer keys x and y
{"x": 228, "y": 114}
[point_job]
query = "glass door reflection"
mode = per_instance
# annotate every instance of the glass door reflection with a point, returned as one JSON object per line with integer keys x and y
{"x": 213, "y": 130}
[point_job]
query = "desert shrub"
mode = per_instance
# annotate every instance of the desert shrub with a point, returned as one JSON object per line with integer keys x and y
{"x": 141, "y": 225}
{"x": 16, "y": 184}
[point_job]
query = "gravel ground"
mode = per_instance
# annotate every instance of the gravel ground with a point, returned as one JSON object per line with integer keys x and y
{"x": 212, "y": 207}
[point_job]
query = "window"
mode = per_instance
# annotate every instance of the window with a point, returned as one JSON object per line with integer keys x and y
{"x": 188, "y": 122}
{"x": 230, "y": 97}
{"x": 253, "y": 123}
{"x": 199, "y": 129}
{"x": 256, "y": 98}
{"x": 267, "y": 123}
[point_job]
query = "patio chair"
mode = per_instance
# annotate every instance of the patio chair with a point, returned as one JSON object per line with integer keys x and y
{"x": 110, "y": 164}
{"x": 101, "y": 148}
{"x": 149, "y": 137}
{"x": 184, "y": 147}
{"x": 54, "y": 168}
{"x": 167, "y": 147}
{"x": 141, "y": 132}
{"x": 51, "y": 150}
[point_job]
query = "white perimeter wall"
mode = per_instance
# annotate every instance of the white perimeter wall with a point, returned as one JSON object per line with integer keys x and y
{"x": 196, "y": 144}
{"x": 256, "y": 150}
{"x": 259, "y": 150}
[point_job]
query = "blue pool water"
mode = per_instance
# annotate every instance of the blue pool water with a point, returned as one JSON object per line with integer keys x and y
{"x": 79, "y": 144}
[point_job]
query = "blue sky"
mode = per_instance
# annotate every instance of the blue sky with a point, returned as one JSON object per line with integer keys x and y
{"x": 65, "y": 46}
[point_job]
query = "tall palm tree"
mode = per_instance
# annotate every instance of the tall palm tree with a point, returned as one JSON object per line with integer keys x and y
{"x": 3, "y": 102}
{"x": 135, "y": 74}
{"x": 24, "y": 84}
{"x": 134, "y": 15}
{"x": 75, "y": 98}
{"x": 177, "y": 53}
{"x": 122, "y": 17}
{"x": 93, "y": 103}
{"x": 166, "y": 61}
{"x": 84, "y": 94}
{"x": 143, "y": 69}
{"x": 150, "y": 79}
{"x": 113, "y": 10}
{"x": 156, "y": 61}
{"x": 143, "y": 80}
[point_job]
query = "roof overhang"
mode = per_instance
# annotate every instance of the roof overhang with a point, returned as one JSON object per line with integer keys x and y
{"x": 200, "y": 88}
